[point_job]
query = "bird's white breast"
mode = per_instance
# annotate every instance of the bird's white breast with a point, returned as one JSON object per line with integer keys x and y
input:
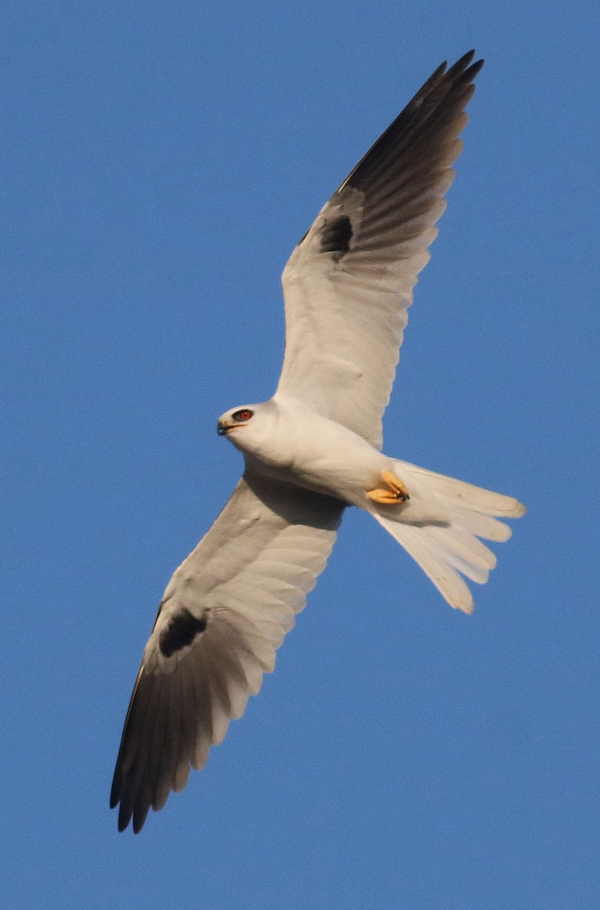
{"x": 300, "y": 446}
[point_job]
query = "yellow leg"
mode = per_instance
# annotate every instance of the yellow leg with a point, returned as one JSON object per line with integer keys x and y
{"x": 394, "y": 491}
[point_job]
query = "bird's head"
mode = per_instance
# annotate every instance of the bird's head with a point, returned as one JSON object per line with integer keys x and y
{"x": 247, "y": 425}
{"x": 235, "y": 419}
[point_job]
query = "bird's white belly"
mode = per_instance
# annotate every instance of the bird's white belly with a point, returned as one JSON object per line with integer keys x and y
{"x": 319, "y": 454}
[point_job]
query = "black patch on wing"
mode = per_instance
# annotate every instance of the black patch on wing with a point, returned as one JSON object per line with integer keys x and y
{"x": 180, "y": 632}
{"x": 336, "y": 235}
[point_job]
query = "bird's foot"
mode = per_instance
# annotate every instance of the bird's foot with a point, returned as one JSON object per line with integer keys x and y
{"x": 393, "y": 491}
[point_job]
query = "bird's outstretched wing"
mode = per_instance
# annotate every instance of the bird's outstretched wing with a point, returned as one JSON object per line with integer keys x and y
{"x": 349, "y": 281}
{"x": 225, "y": 611}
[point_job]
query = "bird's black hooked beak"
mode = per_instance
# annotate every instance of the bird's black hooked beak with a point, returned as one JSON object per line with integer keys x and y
{"x": 222, "y": 429}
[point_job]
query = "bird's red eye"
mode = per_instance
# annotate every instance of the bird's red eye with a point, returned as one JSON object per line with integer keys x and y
{"x": 243, "y": 415}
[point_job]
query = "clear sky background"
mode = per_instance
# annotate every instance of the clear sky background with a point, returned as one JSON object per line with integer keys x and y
{"x": 159, "y": 162}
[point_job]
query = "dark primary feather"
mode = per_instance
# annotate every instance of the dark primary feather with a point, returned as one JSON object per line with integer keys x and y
{"x": 411, "y": 155}
{"x": 439, "y": 100}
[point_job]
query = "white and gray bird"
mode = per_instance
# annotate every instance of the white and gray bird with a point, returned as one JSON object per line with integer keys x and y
{"x": 309, "y": 452}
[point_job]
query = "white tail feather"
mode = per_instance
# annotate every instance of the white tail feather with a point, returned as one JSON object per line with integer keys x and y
{"x": 440, "y": 525}
{"x": 457, "y": 493}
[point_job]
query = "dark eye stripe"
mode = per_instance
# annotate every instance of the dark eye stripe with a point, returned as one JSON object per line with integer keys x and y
{"x": 244, "y": 414}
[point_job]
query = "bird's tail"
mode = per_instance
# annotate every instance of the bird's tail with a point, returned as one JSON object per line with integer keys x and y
{"x": 439, "y": 527}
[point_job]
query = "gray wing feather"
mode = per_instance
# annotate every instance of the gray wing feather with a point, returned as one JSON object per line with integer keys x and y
{"x": 348, "y": 283}
{"x": 225, "y": 611}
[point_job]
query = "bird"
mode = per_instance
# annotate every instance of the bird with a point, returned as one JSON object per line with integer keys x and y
{"x": 311, "y": 451}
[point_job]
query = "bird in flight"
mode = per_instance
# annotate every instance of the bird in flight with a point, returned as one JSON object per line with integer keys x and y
{"x": 309, "y": 452}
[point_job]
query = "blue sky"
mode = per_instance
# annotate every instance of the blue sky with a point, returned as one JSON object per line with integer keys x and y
{"x": 159, "y": 163}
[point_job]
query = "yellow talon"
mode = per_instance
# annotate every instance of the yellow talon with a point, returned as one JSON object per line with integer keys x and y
{"x": 395, "y": 492}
